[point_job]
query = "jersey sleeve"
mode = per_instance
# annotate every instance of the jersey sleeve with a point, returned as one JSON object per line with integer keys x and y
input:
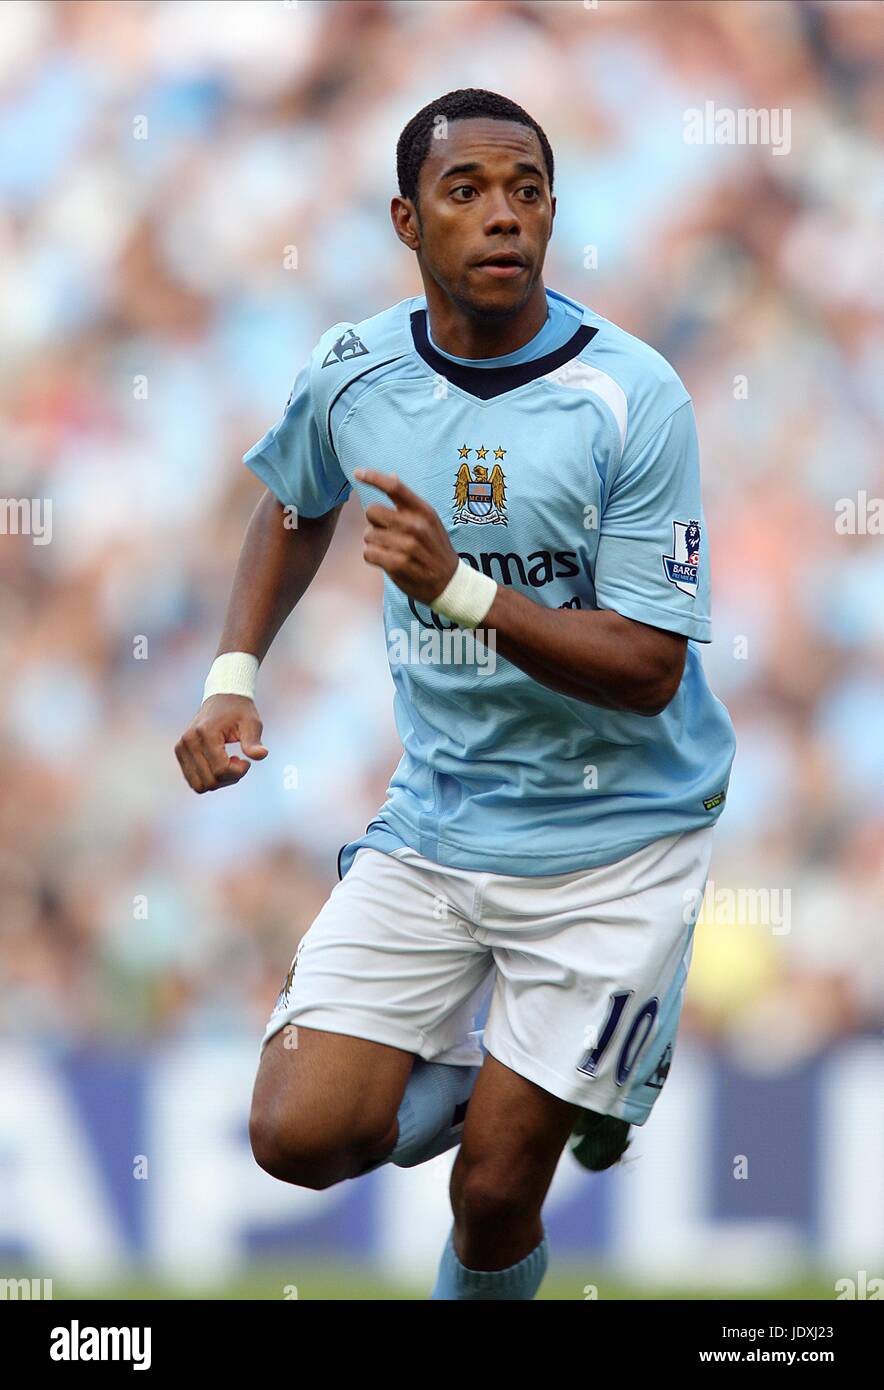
{"x": 653, "y": 558}
{"x": 295, "y": 459}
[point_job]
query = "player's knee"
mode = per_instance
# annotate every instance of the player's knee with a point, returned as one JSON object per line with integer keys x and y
{"x": 487, "y": 1195}
{"x": 290, "y": 1154}
{"x": 308, "y": 1154}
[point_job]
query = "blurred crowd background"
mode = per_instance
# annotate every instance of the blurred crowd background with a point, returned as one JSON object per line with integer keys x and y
{"x": 190, "y": 193}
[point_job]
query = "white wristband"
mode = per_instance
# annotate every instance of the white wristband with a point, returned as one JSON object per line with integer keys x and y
{"x": 466, "y": 597}
{"x": 232, "y": 673}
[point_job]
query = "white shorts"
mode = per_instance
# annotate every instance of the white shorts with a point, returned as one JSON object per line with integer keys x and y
{"x": 585, "y": 971}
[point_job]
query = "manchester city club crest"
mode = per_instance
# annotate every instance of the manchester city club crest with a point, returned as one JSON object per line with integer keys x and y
{"x": 480, "y": 494}
{"x": 681, "y": 567}
{"x": 283, "y": 996}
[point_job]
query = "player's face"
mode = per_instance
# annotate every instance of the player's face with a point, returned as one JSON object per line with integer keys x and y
{"x": 485, "y": 215}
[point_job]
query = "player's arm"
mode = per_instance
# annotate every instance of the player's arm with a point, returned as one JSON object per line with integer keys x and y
{"x": 601, "y": 658}
{"x": 629, "y": 654}
{"x": 276, "y": 565}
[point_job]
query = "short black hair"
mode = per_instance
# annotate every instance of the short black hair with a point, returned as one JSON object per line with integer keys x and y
{"x": 413, "y": 144}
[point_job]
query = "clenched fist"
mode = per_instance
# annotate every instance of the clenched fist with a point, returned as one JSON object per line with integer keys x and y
{"x": 201, "y": 750}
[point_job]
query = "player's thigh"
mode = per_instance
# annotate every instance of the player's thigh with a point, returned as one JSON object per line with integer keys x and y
{"x": 316, "y": 1092}
{"x": 591, "y": 972}
{"x": 390, "y": 958}
{"x": 512, "y": 1121}
{"x": 382, "y": 975}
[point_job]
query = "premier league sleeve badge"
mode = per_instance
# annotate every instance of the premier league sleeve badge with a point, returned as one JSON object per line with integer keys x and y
{"x": 682, "y": 565}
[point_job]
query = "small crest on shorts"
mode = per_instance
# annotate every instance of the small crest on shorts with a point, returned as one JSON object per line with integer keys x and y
{"x": 662, "y": 1070}
{"x": 284, "y": 993}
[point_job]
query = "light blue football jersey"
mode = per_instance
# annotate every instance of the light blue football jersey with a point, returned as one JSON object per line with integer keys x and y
{"x": 568, "y": 470}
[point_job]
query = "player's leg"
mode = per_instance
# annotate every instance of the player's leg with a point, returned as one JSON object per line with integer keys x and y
{"x": 336, "y": 1106}
{"x": 324, "y": 1105}
{"x": 590, "y": 975}
{"x": 364, "y": 1055}
{"x": 514, "y": 1134}
{"x": 599, "y": 1140}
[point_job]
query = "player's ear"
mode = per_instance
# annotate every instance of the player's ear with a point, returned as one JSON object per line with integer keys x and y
{"x": 406, "y": 222}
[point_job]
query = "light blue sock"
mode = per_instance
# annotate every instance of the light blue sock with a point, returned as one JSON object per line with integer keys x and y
{"x": 431, "y": 1113}
{"x": 521, "y": 1281}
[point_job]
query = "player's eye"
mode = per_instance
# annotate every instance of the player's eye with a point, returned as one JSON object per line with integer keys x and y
{"x": 463, "y": 188}
{"x": 532, "y": 191}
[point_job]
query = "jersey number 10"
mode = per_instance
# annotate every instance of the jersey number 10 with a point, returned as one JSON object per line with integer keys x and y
{"x": 633, "y": 1043}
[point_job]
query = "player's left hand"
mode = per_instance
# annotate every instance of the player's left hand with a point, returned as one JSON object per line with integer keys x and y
{"x": 407, "y": 540}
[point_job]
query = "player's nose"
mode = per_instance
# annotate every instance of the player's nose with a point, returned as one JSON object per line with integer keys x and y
{"x": 502, "y": 218}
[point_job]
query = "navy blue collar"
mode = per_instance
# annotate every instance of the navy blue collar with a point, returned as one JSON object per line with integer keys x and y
{"x": 487, "y": 382}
